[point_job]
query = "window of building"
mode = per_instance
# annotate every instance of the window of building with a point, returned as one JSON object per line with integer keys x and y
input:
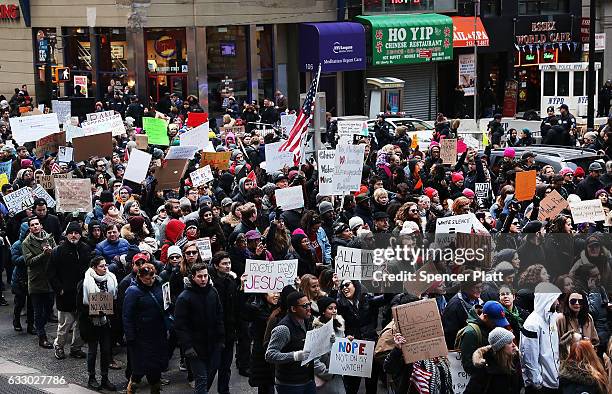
{"x": 578, "y": 83}
{"x": 563, "y": 83}
{"x": 166, "y": 62}
{"x": 265, "y": 51}
{"x": 543, "y": 7}
{"x": 549, "y": 84}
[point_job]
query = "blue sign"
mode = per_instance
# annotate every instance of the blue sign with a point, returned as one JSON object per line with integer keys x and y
{"x": 5, "y": 168}
{"x": 338, "y": 46}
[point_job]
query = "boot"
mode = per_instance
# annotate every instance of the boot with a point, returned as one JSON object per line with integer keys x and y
{"x": 107, "y": 385}
{"x": 156, "y": 388}
{"x": 93, "y": 383}
{"x": 31, "y": 329}
{"x": 44, "y": 343}
{"x": 132, "y": 386}
{"x": 17, "y": 323}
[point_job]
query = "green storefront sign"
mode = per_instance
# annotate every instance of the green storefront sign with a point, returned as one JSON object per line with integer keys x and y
{"x": 409, "y": 39}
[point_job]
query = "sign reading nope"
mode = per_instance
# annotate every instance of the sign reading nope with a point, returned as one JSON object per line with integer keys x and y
{"x": 352, "y": 358}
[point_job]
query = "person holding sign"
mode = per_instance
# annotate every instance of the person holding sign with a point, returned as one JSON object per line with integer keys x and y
{"x": 95, "y": 328}
{"x": 326, "y": 382}
{"x": 587, "y": 187}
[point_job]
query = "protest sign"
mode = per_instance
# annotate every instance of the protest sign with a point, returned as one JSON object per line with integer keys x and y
{"x": 110, "y": 124}
{"x": 5, "y": 167}
{"x": 48, "y": 181}
{"x": 525, "y": 185}
{"x": 458, "y": 375}
{"x": 98, "y": 145}
{"x": 326, "y": 172}
{"x": 142, "y": 141}
{"x": 350, "y": 127}
{"x": 482, "y": 192}
{"x": 196, "y": 137}
{"x": 420, "y": 324}
{"x": 181, "y": 152}
{"x": 287, "y": 122}
{"x": 170, "y": 174}
{"x": 418, "y": 286}
{"x": 448, "y": 151}
{"x": 551, "y": 206}
{"x": 97, "y": 116}
{"x": 348, "y": 165}
{"x": 63, "y": 110}
{"x": 81, "y": 80}
{"x": 447, "y": 227}
{"x": 481, "y": 246}
{"x": 354, "y": 264}
{"x": 157, "y": 130}
{"x": 218, "y": 160}
{"x": 73, "y": 195}
{"x": 73, "y": 131}
{"x": 194, "y": 119}
{"x": 50, "y": 144}
{"x": 201, "y": 176}
{"x": 32, "y": 128}
{"x": 588, "y": 211}
{"x": 19, "y": 200}
{"x": 64, "y": 154}
{"x": 204, "y": 248}
{"x": 3, "y": 179}
{"x": 269, "y": 276}
{"x": 166, "y": 295}
{"x": 40, "y": 192}
{"x": 276, "y": 160}
{"x": 100, "y": 303}
{"x": 351, "y": 358}
{"x": 137, "y": 166}
{"x": 318, "y": 341}
{"x": 289, "y": 198}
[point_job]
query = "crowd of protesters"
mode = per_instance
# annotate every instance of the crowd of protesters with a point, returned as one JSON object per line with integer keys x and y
{"x": 543, "y": 327}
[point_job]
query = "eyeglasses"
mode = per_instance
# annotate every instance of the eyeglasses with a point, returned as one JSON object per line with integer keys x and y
{"x": 575, "y": 301}
{"x": 175, "y": 257}
{"x": 191, "y": 252}
{"x": 345, "y": 285}
{"x": 515, "y": 223}
{"x": 307, "y": 305}
{"x": 412, "y": 210}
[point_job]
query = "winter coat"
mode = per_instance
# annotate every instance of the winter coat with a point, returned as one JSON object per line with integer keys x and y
{"x": 199, "y": 320}
{"x": 587, "y": 188}
{"x": 473, "y": 338}
{"x": 109, "y": 250}
{"x": 213, "y": 229}
{"x": 565, "y": 324}
{"x": 540, "y": 343}
{"x": 174, "y": 231}
{"x": 491, "y": 378}
{"x": 325, "y": 246}
{"x": 454, "y": 317}
{"x": 36, "y": 261}
{"x": 329, "y": 384}
{"x": 576, "y": 380}
{"x": 598, "y": 309}
{"x": 257, "y": 313}
{"x": 66, "y": 268}
{"x": 19, "y": 279}
{"x": 361, "y": 317}
{"x": 145, "y": 328}
{"x": 227, "y": 289}
{"x": 132, "y": 237}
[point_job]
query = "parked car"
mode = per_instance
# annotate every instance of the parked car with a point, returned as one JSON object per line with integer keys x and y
{"x": 423, "y": 130}
{"x": 557, "y": 156}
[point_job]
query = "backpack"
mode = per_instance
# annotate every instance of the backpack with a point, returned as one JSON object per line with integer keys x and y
{"x": 461, "y": 334}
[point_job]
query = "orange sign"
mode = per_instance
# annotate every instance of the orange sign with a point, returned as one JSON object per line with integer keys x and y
{"x": 525, "y": 185}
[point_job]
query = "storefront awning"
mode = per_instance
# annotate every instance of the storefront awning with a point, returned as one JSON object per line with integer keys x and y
{"x": 409, "y": 39}
{"x": 338, "y": 46}
{"x": 463, "y": 32}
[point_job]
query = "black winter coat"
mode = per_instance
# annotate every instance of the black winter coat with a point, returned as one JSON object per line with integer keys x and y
{"x": 65, "y": 270}
{"x": 257, "y": 313}
{"x": 361, "y": 320}
{"x": 227, "y": 288}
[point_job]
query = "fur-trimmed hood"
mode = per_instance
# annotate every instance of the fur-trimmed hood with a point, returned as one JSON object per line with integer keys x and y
{"x": 570, "y": 370}
{"x": 128, "y": 234}
{"x": 230, "y": 219}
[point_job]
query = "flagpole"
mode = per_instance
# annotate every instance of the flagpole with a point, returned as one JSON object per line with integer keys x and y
{"x": 305, "y": 137}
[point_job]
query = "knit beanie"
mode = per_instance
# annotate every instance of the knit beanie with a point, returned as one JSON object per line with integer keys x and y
{"x": 72, "y": 227}
{"x": 324, "y": 302}
{"x": 456, "y": 177}
{"x": 174, "y": 250}
{"x": 500, "y": 337}
{"x": 325, "y": 207}
{"x": 355, "y": 222}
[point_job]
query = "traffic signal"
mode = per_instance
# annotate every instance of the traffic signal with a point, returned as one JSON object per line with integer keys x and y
{"x": 61, "y": 74}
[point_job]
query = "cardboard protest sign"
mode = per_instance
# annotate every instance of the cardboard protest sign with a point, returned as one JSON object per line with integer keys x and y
{"x": 351, "y": 358}
{"x": 354, "y": 264}
{"x": 475, "y": 242}
{"x": 100, "y": 303}
{"x": 157, "y": 130}
{"x": 109, "y": 124}
{"x": 482, "y": 192}
{"x": 73, "y": 131}
{"x": 458, "y": 375}
{"x": 551, "y": 206}
{"x": 287, "y": 122}
{"x": 325, "y": 160}
{"x": 73, "y": 194}
{"x": 50, "y": 144}
{"x": 5, "y": 167}
{"x": 269, "y": 276}
{"x": 63, "y": 110}
{"x": 48, "y": 181}
{"x": 166, "y": 295}
{"x": 137, "y": 166}
{"x": 348, "y": 165}
{"x": 19, "y": 200}
{"x": 201, "y": 176}
{"x": 204, "y": 248}
{"x": 448, "y": 151}
{"x": 238, "y": 131}
{"x": 276, "y": 160}
{"x": 289, "y": 198}
{"x": 218, "y": 160}
{"x": 95, "y": 145}
{"x": 420, "y": 324}
{"x": 196, "y": 137}
{"x": 588, "y": 211}
{"x": 525, "y": 185}
{"x": 64, "y": 154}
{"x": 170, "y": 174}
{"x": 194, "y": 119}
{"x": 32, "y": 128}
{"x": 418, "y": 286}
{"x": 181, "y": 152}
{"x": 142, "y": 141}
{"x": 350, "y": 127}
{"x": 40, "y": 192}
{"x": 318, "y": 341}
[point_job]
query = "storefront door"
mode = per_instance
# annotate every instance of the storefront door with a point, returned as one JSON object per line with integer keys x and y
{"x": 160, "y": 84}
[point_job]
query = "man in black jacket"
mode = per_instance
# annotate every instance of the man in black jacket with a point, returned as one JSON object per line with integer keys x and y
{"x": 199, "y": 324}
{"x": 50, "y": 222}
{"x": 587, "y": 187}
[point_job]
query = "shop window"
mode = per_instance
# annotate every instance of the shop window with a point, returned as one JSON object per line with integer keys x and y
{"x": 490, "y": 7}
{"x": 265, "y": 51}
{"x": 578, "y": 83}
{"x": 549, "y": 84}
{"x": 166, "y": 62}
{"x": 543, "y": 7}
{"x": 563, "y": 83}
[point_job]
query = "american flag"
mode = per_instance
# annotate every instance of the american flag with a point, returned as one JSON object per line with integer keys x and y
{"x": 298, "y": 131}
{"x": 55, "y": 168}
{"x": 420, "y": 379}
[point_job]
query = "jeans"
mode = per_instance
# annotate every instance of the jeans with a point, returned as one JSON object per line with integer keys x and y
{"x": 66, "y": 321}
{"x": 308, "y": 388}
{"x": 222, "y": 364}
{"x": 199, "y": 368}
{"x": 103, "y": 337}
{"x": 43, "y": 308}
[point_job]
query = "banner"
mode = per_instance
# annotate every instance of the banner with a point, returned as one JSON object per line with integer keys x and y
{"x": 354, "y": 264}
{"x": 276, "y": 160}
{"x": 551, "y": 206}
{"x": 448, "y": 151}
{"x": 81, "y": 80}
{"x": 289, "y": 198}
{"x": 318, "y": 341}
{"x": 110, "y": 123}
{"x": 73, "y": 195}
{"x": 325, "y": 163}
{"x": 348, "y": 165}
{"x": 269, "y": 276}
{"x": 588, "y": 211}
{"x": 19, "y": 200}
{"x": 351, "y": 358}
{"x": 467, "y": 73}
{"x": 137, "y": 166}
{"x": 157, "y": 130}
{"x": 32, "y": 128}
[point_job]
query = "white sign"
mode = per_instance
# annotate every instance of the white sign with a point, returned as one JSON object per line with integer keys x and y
{"x": 99, "y": 116}
{"x": 447, "y": 227}
{"x": 458, "y": 375}
{"x": 198, "y": 136}
{"x": 318, "y": 341}
{"x": 350, "y": 127}
{"x": 32, "y": 128}
{"x": 354, "y": 264}
{"x": 351, "y": 358}
{"x": 40, "y": 192}
{"x": 63, "y": 109}
{"x": 101, "y": 125}
{"x": 166, "y": 295}
{"x": 137, "y": 166}
{"x": 201, "y": 176}
{"x": 64, "y": 154}
{"x": 588, "y": 211}
{"x": 600, "y": 43}
{"x": 73, "y": 131}
{"x": 287, "y": 122}
{"x": 326, "y": 171}
{"x": 467, "y": 73}
{"x": 81, "y": 80}
{"x": 276, "y": 160}
{"x": 91, "y": 16}
{"x": 269, "y": 276}
{"x": 348, "y": 165}
{"x": 19, "y": 200}
{"x": 289, "y": 198}
{"x": 181, "y": 152}
{"x": 204, "y": 248}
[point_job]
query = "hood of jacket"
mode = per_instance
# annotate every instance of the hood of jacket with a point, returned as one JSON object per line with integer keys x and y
{"x": 189, "y": 285}
{"x": 545, "y": 296}
{"x": 174, "y": 230}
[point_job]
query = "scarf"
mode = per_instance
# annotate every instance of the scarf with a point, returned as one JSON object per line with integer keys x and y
{"x": 92, "y": 283}
{"x": 515, "y": 314}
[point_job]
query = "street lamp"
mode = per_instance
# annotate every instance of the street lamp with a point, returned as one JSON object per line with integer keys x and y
{"x": 591, "y": 77}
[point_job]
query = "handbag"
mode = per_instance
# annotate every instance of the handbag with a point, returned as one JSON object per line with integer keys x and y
{"x": 168, "y": 319}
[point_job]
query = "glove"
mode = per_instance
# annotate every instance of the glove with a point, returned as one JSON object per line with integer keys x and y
{"x": 301, "y": 355}
{"x": 190, "y": 353}
{"x": 332, "y": 339}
